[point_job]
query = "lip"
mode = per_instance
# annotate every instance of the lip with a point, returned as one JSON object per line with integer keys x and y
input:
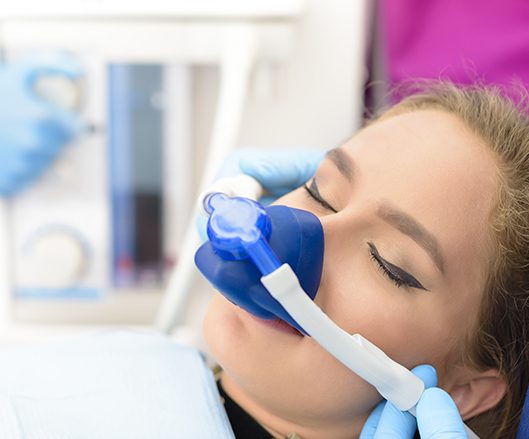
{"x": 278, "y": 325}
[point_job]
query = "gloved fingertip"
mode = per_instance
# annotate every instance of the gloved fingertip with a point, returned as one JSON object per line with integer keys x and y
{"x": 393, "y": 422}
{"x": 427, "y": 374}
{"x": 55, "y": 62}
{"x": 370, "y": 427}
{"x": 437, "y": 415}
{"x": 252, "y": 166}
{"x": 315, "y": 157}
{"x": 436, "y": 397}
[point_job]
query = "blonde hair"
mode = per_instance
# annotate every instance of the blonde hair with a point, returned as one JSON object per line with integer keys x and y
{"x": 501, "y": 339}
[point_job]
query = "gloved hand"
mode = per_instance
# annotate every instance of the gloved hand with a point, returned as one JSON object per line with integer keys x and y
{"x": 32, "y": 129}
{"x": 279, "y": 170}
{"x": 437, "y": 415}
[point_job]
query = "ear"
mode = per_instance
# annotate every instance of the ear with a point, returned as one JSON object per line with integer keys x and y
{"x": 478, "y": 392}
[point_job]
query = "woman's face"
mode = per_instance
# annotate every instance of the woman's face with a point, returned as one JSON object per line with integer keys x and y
{"x": 404, "y": 206}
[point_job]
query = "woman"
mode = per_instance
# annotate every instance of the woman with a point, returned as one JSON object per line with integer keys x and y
{"x": 426, "y": 220}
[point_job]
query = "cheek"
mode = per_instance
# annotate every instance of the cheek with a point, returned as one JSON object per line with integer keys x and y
{"x": 409, "y": 326}
{"x": 412, "y": 327}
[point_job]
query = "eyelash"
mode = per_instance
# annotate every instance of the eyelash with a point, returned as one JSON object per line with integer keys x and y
{"x": 398, "y": 281}
{"x": 316, "y": 197}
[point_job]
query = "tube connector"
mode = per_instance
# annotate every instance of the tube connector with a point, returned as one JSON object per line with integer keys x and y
{"x": 241, "y": 185}
{"x": 239, "y": 228}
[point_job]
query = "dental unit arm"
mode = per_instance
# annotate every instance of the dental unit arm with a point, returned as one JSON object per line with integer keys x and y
{"x": 240, "y": 229}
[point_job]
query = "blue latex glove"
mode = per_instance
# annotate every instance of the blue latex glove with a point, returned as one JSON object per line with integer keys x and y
{"x": 279, "y": 170}
{"x": 32, "y": 129}
{"x": 437, "y": 415}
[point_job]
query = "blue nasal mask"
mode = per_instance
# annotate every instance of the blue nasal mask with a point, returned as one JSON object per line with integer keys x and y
{"x": 247, "y": 241}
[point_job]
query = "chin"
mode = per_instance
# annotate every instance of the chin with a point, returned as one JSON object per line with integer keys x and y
{"x": 243, "y": 345}
{"x": 278, "y": 369}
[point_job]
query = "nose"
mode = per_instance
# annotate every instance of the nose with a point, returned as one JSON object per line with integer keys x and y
{"x": 344, "y": 227}
{"x": 296, "y": 239}
{"x": 343, "y": 232}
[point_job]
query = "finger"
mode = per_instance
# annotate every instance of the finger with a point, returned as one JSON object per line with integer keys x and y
{"x": 395, "y": 424}
{"x": 61, "y": 125}
{"x": 427, "y": 374}
{"x": 370, "y": 427}
{"x": 282, "y": 168}
{"x": 438, "y": 417}
{"x": 402, "y": 425}
{"x": 230, "y": 166}
{"x": 50, "y": 63}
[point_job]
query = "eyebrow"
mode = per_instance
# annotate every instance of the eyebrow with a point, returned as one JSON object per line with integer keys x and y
{"x": 342, "y": 161}
{"x": 410, "y": 227}
{"x": 393, "y": 216}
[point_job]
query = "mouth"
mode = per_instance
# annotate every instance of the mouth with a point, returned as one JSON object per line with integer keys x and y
{"x": 278, "y": 325}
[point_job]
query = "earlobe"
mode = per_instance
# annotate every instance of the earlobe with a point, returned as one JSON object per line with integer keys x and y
{"x": 481, "y": 392}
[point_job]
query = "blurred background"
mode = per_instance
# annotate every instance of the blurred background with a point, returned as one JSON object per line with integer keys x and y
{"x": 93, "y": 239}
{"x": 114, "y": 113}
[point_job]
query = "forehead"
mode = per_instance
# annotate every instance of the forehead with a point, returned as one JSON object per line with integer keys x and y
{"x": 429, "y": 164}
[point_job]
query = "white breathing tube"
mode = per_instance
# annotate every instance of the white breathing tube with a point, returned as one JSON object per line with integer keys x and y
{"x": 393, "y": 381}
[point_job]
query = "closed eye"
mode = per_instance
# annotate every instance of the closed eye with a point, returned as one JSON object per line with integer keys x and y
{"x": 396, "y": 274}
{"x": 314, "y": 193}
